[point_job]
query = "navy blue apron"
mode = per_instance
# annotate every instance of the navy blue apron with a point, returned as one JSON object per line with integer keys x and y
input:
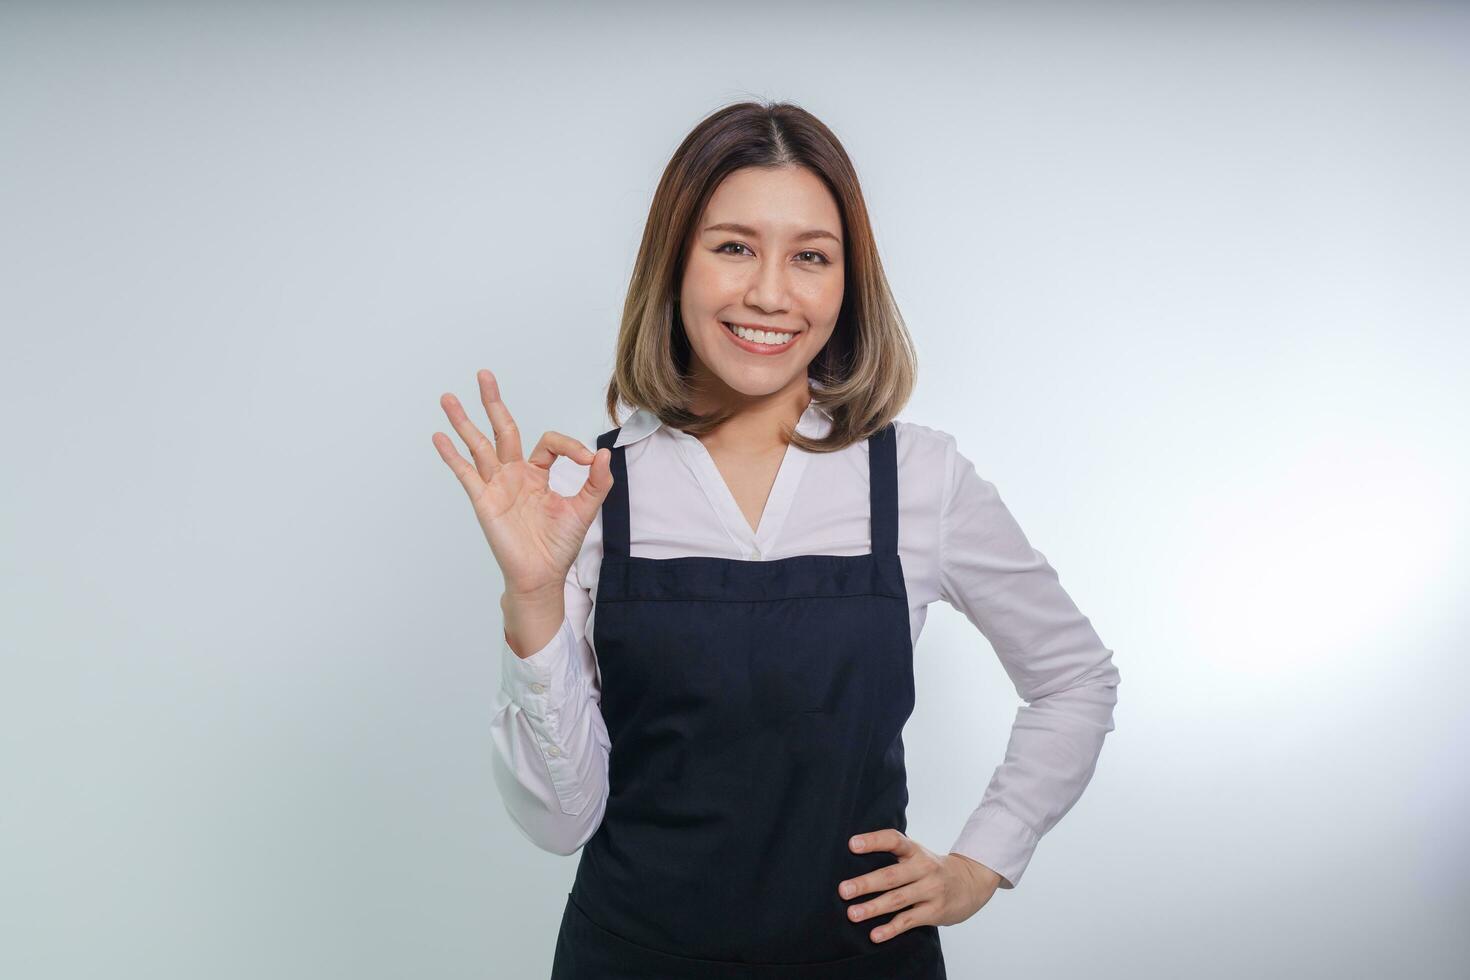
{"x": 755, "y": 711}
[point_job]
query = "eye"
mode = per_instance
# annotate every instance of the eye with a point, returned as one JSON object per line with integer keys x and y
{"x": 819, "y": 259}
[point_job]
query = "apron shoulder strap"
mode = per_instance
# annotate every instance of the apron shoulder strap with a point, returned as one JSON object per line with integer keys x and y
{"x": 883, "y": 489}
{"x": 615, "y": 504}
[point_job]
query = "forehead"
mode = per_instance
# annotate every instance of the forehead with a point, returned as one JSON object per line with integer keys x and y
{"x": 778, "y": 200}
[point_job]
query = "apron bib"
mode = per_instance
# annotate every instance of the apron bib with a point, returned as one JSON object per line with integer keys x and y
{"x": 755, "y": 711}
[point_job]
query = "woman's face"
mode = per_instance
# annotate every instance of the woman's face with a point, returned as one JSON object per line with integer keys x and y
{"x": 767, "y": 254}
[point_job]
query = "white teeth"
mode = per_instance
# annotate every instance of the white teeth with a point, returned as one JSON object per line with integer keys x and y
{"x": 760, "y": 336}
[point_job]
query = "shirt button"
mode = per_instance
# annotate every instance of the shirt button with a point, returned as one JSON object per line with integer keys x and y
{"x": 538, "y": 688}
{"x": 553, "y": 751}
{"x": 755, "y": 555}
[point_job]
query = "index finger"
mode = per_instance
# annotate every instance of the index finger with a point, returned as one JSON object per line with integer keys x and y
{"x": 887, "y": 839}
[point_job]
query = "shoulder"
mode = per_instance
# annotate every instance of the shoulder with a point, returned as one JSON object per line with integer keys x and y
{"x": 918, "y": 434}
{"x": 926, "y": 464}
{"x": 933, "y": 454}
{"x": 924, "y": 447}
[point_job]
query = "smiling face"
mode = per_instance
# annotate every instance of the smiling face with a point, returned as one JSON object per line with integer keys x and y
{"x": 767, "y": 255}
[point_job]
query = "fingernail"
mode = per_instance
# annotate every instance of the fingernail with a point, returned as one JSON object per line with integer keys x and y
{"x": 857, "y": 843}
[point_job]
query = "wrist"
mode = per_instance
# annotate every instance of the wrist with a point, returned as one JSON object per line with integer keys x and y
{"x": 531, "y": 620}
{"x": 982, "y": 874}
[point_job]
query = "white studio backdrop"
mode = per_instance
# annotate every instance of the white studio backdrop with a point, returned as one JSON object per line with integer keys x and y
{"x": 1188, "y": 284}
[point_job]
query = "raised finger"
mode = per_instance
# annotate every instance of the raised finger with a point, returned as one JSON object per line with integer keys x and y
{"x": 469, "y": 477}
{"x": 479, "y": 444}
{"x": 507, "y": 433}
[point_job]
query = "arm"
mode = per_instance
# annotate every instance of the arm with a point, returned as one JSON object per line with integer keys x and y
{"x": 1059, "y": 666}
{"x": 551, "y": 742}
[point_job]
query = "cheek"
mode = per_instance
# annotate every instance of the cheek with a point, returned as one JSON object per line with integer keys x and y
{"x": 820, "y": 337}
{"x": 709, "y": 283}
{"x": 824, "y": 303}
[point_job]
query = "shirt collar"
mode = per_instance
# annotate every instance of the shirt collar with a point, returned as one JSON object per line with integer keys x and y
{"x": 642, "y": 423}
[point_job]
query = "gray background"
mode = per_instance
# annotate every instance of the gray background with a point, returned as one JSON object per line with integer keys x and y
{"x": 1188, "y": 283}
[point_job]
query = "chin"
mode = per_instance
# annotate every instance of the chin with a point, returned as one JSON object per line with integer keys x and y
{"x": 756, "y": 387}
{"x": 749, "y": 381}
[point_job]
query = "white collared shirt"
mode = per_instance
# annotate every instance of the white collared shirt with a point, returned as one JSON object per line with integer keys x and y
{"x": 957, "y": 542}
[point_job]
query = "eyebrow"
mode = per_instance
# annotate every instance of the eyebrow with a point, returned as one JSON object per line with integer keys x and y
{"x": 747, "y": 230}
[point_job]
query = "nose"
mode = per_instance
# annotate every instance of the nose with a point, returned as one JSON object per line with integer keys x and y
{"x": 768, "y": 290}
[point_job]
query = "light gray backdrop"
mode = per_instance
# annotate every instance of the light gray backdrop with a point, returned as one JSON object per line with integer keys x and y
{"x": 1188, "y": 283}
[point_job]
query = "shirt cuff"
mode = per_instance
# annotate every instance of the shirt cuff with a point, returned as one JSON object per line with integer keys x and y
{"x": 999, "y": 840}
{"x": 541, "y": 682}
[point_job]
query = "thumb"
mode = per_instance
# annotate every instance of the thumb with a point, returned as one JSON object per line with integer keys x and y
{"x": 595, "y": 488}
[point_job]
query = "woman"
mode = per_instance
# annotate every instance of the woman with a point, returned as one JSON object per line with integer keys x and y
{"x": 710, "y": 619}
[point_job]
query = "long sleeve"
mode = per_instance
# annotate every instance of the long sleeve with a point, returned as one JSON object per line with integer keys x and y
{"x": 551, "y": 743}
{"x": 1053, "y": 656}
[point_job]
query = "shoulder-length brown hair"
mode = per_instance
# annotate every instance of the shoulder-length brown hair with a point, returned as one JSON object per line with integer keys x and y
{"x": 868, "y": 368}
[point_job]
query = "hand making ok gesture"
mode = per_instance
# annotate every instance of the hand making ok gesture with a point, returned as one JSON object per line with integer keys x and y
{"x": 534, "y": 532}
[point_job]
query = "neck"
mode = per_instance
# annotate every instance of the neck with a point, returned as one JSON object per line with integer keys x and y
{"x": 755, "y": 428}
